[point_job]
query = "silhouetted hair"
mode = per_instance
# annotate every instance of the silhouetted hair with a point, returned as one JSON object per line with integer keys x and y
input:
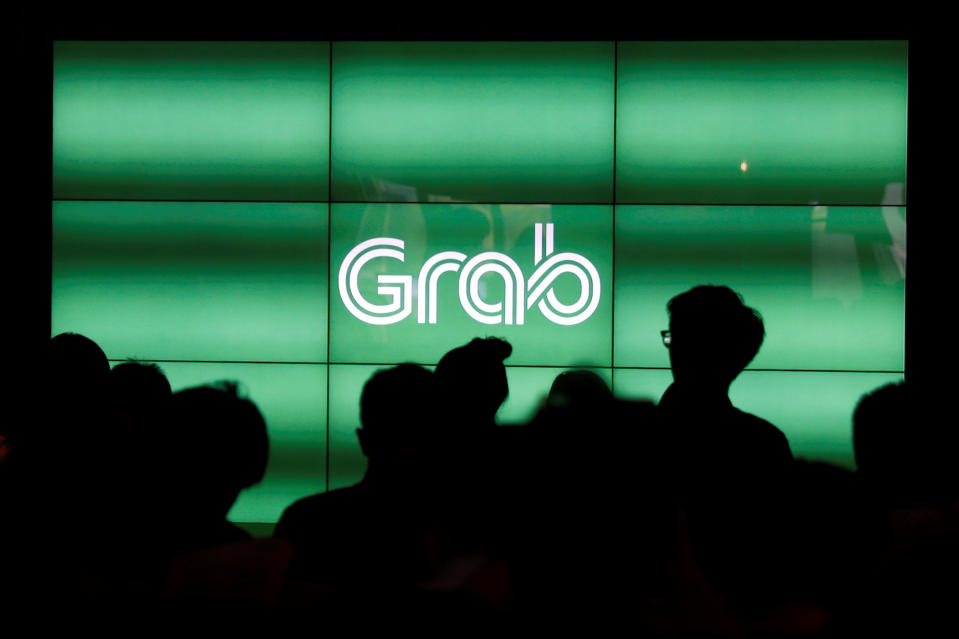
{"x": 581, "y": 388}
{"x": 136, "y": 386}
{"x": 75, "y": 378}
{"x": 220, "y": 437}
{"x": 394, "y": 397}
{"x": 879, "y": 427}
{"x": 73, "y": 358}
{"x": 471, "y": 379}
{"x": 717, "y": 313}
{"x": 902, "y": 452}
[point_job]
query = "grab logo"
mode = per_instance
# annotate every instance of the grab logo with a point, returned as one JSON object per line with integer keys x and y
{"x": 520, "y": 293}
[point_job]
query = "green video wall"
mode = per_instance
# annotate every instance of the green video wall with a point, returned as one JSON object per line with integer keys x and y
{"x": 296, "y": 215}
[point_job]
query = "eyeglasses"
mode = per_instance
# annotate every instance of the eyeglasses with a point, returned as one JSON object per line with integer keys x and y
{"x": 667, "y": 338}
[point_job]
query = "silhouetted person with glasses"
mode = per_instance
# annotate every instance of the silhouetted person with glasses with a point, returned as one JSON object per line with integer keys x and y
{"x": 732, "y": 466}
{"x": 712, "y": 337}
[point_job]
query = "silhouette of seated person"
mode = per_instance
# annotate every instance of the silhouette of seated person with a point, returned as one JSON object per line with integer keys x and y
{"x": 138, "y": 398}
{"x": 77, "y": 372}
{"x": 593, "y": 525}
{"x": 48, "y": 484}
{"x": 732, "y": 466}
{"x": 61, "y": 451}
{"x": 905, "y": 455}
{"x": 218, "y": 446}
{"x": 130, "y": 477}
{"x": 471, "y": 386}
{"x": 370, "y": 536}
{"x": 905, "y": 458}
{"x": 577, "y": 399}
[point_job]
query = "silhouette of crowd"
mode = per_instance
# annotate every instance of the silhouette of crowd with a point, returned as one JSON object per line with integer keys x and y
{"x": 601, "y": 515}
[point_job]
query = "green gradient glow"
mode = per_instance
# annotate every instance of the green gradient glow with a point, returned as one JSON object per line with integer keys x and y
{"x": 471, "y": 229}
{"x": 815, "y": 122}
{"x": 292, "y": 399}
{"x": 489, "y": 122}
{"x": 814, "y": 410}
{"x": 347, "y": 462}
{"x": 528, "y": 388}
{"x": 737, "y": 130}
{"x": 191, "y": 120}
{"x": 828, "y": 281}
{"x": 193, "y": 280}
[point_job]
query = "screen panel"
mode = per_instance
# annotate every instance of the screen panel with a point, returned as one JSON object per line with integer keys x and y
{"x": 828, "y": 281}
{"x": 442, "y": 254}
{"x": 761, "y": 122}
{"x": 191, "y": 120}
{"x": 193, "y": 280}
{"x": 292, "y": 400}
{"x": 476, "y": 121}
{"x": 813, "y": 409}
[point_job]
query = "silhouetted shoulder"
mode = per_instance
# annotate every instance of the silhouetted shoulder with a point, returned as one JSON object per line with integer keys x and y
{"x": 309, "y": 515}
{"x": 764, "y": 436}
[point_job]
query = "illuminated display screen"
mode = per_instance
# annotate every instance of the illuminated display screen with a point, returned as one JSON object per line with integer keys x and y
{"x": 828, "y": 280}
{"x": 296, "y": 215}
{"x": 191, "y": 120}
{"x": 761, "y": 122}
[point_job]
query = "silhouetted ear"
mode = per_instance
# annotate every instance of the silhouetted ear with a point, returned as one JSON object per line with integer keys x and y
{"x": 364, "y": 441}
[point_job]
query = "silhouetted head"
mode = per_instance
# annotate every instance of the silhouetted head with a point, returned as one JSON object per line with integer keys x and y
{"x": 579, "y": 389}
{"x": 137, "y": 401}
{"x": 901, "y": 450}
{"x": 75, "y": 377}
{"x": 576, "y": 396}
{"x": 471, "y": 381}
{"x": 880, "y": 426}
{"x": 395, "y": 413}
{"x": 713, "y": 335}
{"x": 217, "y": 445}
{"x": 137, "y": 388}
{"x": 75, "y": 364}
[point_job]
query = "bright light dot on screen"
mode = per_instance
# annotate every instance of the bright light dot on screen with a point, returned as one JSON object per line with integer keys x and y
{"x": 743, "y": 166}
